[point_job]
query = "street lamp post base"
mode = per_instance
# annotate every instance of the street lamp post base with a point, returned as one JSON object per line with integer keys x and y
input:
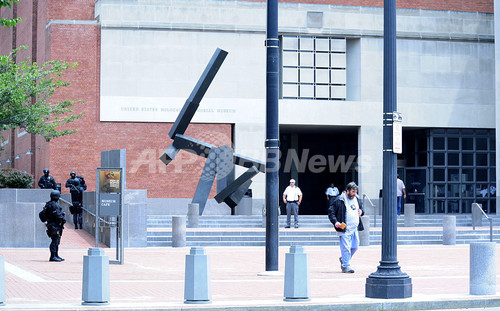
{"x": 388, "y": 288}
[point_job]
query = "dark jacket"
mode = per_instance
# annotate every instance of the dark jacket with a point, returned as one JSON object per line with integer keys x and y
{"x": 47, "y": 182}
{"x": 337, "y": 211}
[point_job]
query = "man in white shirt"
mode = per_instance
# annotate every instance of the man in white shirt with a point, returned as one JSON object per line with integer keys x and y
{"x": 401, "y": 192}
{"x": 331, "y": 194}
{"x": 292, "y": 197}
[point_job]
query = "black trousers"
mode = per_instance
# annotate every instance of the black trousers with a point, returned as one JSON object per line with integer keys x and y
{"x": 77, "y": 219}
{"x": 55, "y": 233}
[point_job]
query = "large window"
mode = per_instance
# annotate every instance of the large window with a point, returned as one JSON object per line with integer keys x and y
{"x": 313, "y": 68}
{"x": 462, "y": 170}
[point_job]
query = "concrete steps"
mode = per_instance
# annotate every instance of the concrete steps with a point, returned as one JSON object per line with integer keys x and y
{"x": 313, "y": 231}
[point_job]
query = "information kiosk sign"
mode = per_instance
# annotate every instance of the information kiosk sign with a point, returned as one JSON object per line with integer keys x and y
{"x": 109, "y": 206}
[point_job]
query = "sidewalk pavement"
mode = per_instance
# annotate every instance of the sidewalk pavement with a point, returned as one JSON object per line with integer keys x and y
{"x": 153, "y": 279}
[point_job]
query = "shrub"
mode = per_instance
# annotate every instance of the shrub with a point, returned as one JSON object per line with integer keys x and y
{"x": 15, "y": 179}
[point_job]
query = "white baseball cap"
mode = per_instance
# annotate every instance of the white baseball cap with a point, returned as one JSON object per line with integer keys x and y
{"x": 292, "y": 180}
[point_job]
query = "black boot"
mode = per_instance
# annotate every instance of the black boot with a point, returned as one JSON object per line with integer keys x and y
{"x": 57, "y": 256}
{"x": 53, "y": 257}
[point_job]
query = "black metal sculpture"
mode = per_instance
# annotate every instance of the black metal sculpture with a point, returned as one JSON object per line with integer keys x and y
{"x": 220, "y": 161}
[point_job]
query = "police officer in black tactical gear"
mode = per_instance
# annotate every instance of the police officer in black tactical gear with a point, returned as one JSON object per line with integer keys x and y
{"x": 76, "y": 191}
{"x": 55, "y": 224}
{"x": 47, "y": 181}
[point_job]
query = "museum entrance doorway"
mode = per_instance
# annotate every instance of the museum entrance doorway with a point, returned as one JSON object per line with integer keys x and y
{"x": 316, "y": 156}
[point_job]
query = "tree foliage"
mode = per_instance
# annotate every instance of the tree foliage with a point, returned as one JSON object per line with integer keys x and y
{"x": 8, "y": 22}
{"x": 25, "y": 93}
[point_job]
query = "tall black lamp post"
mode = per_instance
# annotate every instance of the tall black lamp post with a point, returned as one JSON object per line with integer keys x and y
{"x": 389, "y": 281}
{"x": 272, "y": 137}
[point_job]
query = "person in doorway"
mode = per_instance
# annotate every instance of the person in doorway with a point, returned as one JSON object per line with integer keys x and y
{"x": 331, "y": 194}
{"x": 47, "y": 181}
{"x": 345, "y": 214}
{"x": 401, "y": 193}
{"x": 292, "y": 197}
{"x": 55, "y": 224}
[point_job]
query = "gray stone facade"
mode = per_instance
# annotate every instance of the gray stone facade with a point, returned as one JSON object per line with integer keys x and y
{"x": 152, "y": 52}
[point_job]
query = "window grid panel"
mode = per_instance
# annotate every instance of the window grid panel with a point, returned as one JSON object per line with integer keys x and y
{"x": 320, "y": 66}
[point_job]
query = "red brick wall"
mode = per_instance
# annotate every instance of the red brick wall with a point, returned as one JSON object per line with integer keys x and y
{"x": 70, "y": 9}
{"x": 144, "y": 142}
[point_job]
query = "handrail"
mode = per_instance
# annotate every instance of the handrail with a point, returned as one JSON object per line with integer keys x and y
{"x": 365, "y": 196}
{"x": 373, "y": 205}
{"x": 91, "y": 213}
{"x": 489, "y": 219}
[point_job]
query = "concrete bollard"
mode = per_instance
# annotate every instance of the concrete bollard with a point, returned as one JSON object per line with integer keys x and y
{"x": 483, "y": 269}
{"x": 477, "y": 215}
{"x": 95, "y": 288}
{"x": 197, "y": 277}
{"x": 364, "y": 236}
{"x": 193, "y": 215}
{"x": 409, "y": 215}
{"x": 2, "y": 281}
{"x": 449, "y": 230}
{"x": 178, "y": 231}
{"x": 296, "y": 275}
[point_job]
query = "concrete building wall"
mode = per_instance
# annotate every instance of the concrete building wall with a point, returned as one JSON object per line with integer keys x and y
{"x": 149, "y": 54}
{"x": 445, "y": 62}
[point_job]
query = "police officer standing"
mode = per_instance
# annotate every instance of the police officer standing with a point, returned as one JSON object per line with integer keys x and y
{"x": 47, "y": 181}
{"x": 76, "y": 191}
{"x": 55, "y": 224}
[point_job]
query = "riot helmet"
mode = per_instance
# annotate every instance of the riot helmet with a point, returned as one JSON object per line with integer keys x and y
{"x": 72, "y": 174}
{"x": 46, "y": 171}
{"x": 55, "y": 195}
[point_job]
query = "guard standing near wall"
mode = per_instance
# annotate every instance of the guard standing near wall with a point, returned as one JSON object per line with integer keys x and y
{"x": 47, "y": 181}
{"x": 76, "y": 191}
{"x": 55, "y": 224}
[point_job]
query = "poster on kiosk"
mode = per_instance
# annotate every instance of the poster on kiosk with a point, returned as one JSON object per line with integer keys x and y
{"x": 110, "y": 189}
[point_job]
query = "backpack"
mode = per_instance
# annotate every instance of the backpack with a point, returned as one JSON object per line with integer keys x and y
{"x": 43, "y": 215}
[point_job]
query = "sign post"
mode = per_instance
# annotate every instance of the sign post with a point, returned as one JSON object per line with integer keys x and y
{"x": 109, "y": 205}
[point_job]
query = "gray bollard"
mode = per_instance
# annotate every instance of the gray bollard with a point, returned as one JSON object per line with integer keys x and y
{"x": 449, "y": 230}
{"x": 95, "y": 288}
{"x": 193, "y": 215}
{"x": 483, "y": 269}
{"x": 364, "y": 236}
{"x": 409, "y": 215}
{"x": 2, "y": 281}
{"x": 197, "y": 277}
{"x": 178, "y": 231}
{"x": 296, "y": 275}
{"x": 477, "y": 215}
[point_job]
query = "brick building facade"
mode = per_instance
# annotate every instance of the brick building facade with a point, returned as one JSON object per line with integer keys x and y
{"x": 105, "y": 39}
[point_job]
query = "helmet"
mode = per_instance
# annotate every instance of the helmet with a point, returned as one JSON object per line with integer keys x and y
{"x": 79, "y": 176}
{"x": 46, "y": 171}
{"x": 72, "y": 173}
{"x": 55, "y": 195}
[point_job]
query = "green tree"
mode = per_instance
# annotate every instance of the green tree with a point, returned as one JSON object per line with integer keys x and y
{"x": 8, "y": 22}
{"x": 25, "y": 93}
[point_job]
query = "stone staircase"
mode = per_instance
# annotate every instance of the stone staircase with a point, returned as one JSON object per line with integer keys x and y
{"x": 313, "y": 231}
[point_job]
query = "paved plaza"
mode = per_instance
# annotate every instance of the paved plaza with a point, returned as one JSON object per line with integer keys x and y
{"x": 153, "y": 278}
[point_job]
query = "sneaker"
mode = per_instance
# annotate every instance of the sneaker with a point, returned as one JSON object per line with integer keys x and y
{"x": 287, "y": 227}
{"x": 347, "y": 270}
{"x": 296, "y": 226}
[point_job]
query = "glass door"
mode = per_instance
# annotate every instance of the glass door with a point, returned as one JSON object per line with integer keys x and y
{"x": 415, "y": 180}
